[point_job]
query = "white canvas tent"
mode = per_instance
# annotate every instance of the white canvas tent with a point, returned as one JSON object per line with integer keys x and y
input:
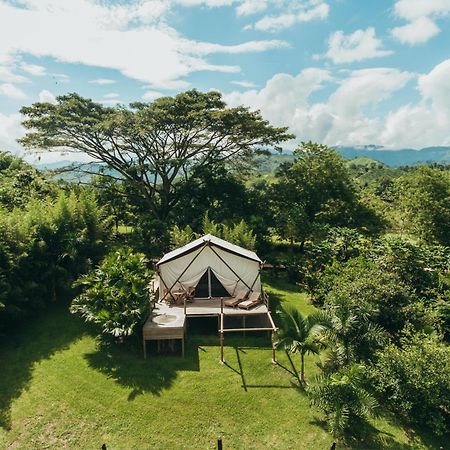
{"x": 213, "y": 266}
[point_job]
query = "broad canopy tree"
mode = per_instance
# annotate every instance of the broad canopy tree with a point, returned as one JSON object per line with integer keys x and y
{"x": 155, "y": 146}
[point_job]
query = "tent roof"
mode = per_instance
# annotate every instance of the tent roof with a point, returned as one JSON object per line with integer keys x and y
{"x": 213, "y": 240}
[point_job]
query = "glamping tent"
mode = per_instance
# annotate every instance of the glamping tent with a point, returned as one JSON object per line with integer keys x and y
{"x": 211, "y": 266}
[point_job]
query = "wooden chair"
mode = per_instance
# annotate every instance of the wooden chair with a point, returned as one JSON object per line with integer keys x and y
{"x": 253, "y": 300}
{"x": 238, "y": 298}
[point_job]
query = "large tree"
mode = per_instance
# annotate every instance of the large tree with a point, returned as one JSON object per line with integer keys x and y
{"x": 156, "y": 146}
{"x": 313, "y": 190}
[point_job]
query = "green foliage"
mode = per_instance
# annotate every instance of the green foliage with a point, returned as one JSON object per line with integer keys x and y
{"x": 313, "y": 191}
{"x": 44, "y": 247}
{"x": 239, "y": 234}
{"x": 424, "y": 202}
{"x": 181, "y": 236}
{"x": 352, "y": 335}
{"x": 414, "y": 380}
{"x": 301, "y": 334}
{"x": 115, "y": 295}
{"x": 217, "y": 191}
{"x": 155, "y": 146}
{"x": 344, "y": 398}
{"x": 20, "y": 182}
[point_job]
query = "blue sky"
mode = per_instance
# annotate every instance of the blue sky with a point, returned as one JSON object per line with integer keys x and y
{"x": 348, "y": 72}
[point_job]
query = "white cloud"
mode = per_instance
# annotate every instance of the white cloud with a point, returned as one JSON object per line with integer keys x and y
{"x": 11, "y": 91}
{"x": 102, "y": 81}
{"x": 427, "y": 122}
{"x": 413, "y": 9}
{"x": 360, "y": 45}
{"x": 111, "y": 95}
{"x": 249, "y": 7}
{"x": 149, "y": 96}
{"x": 341, "y": 119}
{"x": 7, "y": 74}
{"x": 418, "y": 31}
{"x": 204, "y": 48}
{"x": 129, "y": 38}
{"x": 283, "y": 96}
{"x": 244, "y": 83}
{"x": 421, "y": 16}
{"x": 274, "y": 23}
{"x": 10, "y": 130}
{"x": 33, "y": 69}
{"x": 47, "y": 96}
{"x": 110, "y": 101}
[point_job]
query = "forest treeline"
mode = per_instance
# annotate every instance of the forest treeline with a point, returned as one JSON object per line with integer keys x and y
{"x": 368, "y": 243}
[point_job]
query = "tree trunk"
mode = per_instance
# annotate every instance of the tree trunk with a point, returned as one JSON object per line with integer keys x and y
{"x": 302, "y": 368}
{"x": 293, "y": 366}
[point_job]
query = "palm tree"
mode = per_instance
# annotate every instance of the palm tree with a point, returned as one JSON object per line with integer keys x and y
{"x": 349, "y": 334}
{"x": 343, "y": 397}
{"x": 301, "y": 334}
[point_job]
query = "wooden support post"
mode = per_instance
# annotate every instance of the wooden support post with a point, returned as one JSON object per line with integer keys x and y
{"x": 182, "y": 347}
{"x": 221, "y": 348}
{"x": 221, "y": 339}
{"x": 274, "y": 356}
{"x": 145, "y": 348}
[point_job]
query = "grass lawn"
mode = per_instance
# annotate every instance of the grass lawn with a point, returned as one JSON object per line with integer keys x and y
{"x": 60, "y": 389}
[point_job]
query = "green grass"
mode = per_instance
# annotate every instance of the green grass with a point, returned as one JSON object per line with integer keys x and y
{"x": 60, "y": 389}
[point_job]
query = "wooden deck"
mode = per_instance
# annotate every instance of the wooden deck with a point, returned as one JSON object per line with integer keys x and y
{"x": 168, "y": 322}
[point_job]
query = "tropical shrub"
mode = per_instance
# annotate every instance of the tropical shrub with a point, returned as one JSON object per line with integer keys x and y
{"x": 115, "y": 296}
{"x": 414, "y": 380}
{"x": 344, "y": 398}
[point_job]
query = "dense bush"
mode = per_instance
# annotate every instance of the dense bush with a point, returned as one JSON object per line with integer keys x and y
{"x": 20, "y": 182}
{"x": 115, "y": 295}
{"x": 414, "y": 381}
{"x": 44, "y": 247}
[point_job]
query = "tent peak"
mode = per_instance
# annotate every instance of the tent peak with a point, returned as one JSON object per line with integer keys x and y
{"x": 209, "y": 239}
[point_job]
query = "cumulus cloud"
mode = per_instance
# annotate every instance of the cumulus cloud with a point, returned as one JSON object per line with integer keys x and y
{"x": 360, "y": 45}
{"x": 47, "y": 96}
{"x": 348, "y": 116}
{"x": 11, "y": 91}
{"x": 149, "y": 96}
{"x": 132, "y": 38}
{"x": 421, "y": 16}
{"x": 10, "y": 130}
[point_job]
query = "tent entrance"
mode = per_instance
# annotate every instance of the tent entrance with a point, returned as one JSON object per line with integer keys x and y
{"x": 210, "y": 286}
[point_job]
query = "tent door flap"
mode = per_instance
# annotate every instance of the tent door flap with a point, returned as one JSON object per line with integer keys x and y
{"x": 209, "y": 286}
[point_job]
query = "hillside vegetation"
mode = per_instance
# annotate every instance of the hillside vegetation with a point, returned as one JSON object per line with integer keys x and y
{"x": 359, "y": 286}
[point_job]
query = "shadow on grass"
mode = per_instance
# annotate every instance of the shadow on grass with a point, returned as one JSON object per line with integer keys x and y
{"x": 366, "y": 436}
{"x": 38, "y": 338}
{"x": 127, "y": 367}
{"x": 239, "y": 370}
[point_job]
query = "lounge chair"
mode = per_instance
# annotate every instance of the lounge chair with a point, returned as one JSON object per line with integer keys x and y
{"x": 253, "y": 300}
{"x": 238, "y": 298}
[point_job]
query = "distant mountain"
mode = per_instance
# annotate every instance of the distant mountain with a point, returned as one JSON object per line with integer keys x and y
{"x": 395, "y": 158}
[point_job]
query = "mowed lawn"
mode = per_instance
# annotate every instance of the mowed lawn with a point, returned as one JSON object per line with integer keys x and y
{"x": 60, "y": 389}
